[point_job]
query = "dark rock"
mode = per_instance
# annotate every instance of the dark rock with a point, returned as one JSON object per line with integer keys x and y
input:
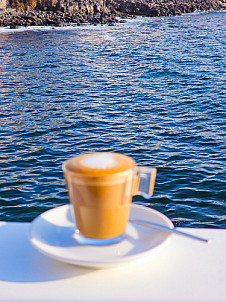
{"x": 13, "y": 26}
{"x": 58, "y": 24}
{"x": 61, "y": 12}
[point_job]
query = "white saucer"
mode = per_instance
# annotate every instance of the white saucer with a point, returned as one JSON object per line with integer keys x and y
{"x": 52, "y": 234}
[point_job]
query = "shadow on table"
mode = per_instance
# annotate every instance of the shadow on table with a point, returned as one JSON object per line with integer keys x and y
{"x": 20, "y": 262}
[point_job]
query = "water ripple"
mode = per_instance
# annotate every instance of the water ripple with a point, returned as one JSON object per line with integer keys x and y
{"x": 152, "y": 88}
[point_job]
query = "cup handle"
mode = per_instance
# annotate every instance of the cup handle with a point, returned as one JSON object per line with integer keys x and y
{"x": 144, "y": 181}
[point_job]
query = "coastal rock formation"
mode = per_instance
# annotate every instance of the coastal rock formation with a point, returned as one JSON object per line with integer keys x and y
{"x": 63, "y": 12}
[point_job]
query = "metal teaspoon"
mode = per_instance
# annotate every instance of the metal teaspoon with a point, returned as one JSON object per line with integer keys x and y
{"x": 167, "y": 229}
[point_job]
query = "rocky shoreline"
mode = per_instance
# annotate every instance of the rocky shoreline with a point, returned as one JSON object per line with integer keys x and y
{"x": 77, "y": 12}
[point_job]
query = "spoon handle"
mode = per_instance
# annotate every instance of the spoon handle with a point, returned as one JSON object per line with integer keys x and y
{"x": 167, "y": 229}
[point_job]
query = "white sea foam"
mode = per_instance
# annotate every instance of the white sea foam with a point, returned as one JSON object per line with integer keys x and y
{"x": 8, "y": 30}
{"x": 45, "y": 28}
{"x": 99, "y": 161}
{"x": 73, "y": 27}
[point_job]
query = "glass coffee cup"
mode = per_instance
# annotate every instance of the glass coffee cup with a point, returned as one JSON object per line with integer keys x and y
{"x": 101, "y": 186}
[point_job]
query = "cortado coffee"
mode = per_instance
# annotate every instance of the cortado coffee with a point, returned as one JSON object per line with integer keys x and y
{"x": 101, "y": 186}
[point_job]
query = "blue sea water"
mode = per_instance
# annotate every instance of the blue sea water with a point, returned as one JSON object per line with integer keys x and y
{"x": 152, "y": 88}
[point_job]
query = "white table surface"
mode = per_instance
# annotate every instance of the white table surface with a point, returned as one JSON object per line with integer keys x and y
{"x": 184, "y": 270}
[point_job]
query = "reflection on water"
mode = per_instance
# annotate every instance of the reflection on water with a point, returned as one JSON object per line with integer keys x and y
{"x": 151, "y": 88}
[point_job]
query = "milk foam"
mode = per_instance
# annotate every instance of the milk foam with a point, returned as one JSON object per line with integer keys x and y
{"x": 100, "y": 161}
